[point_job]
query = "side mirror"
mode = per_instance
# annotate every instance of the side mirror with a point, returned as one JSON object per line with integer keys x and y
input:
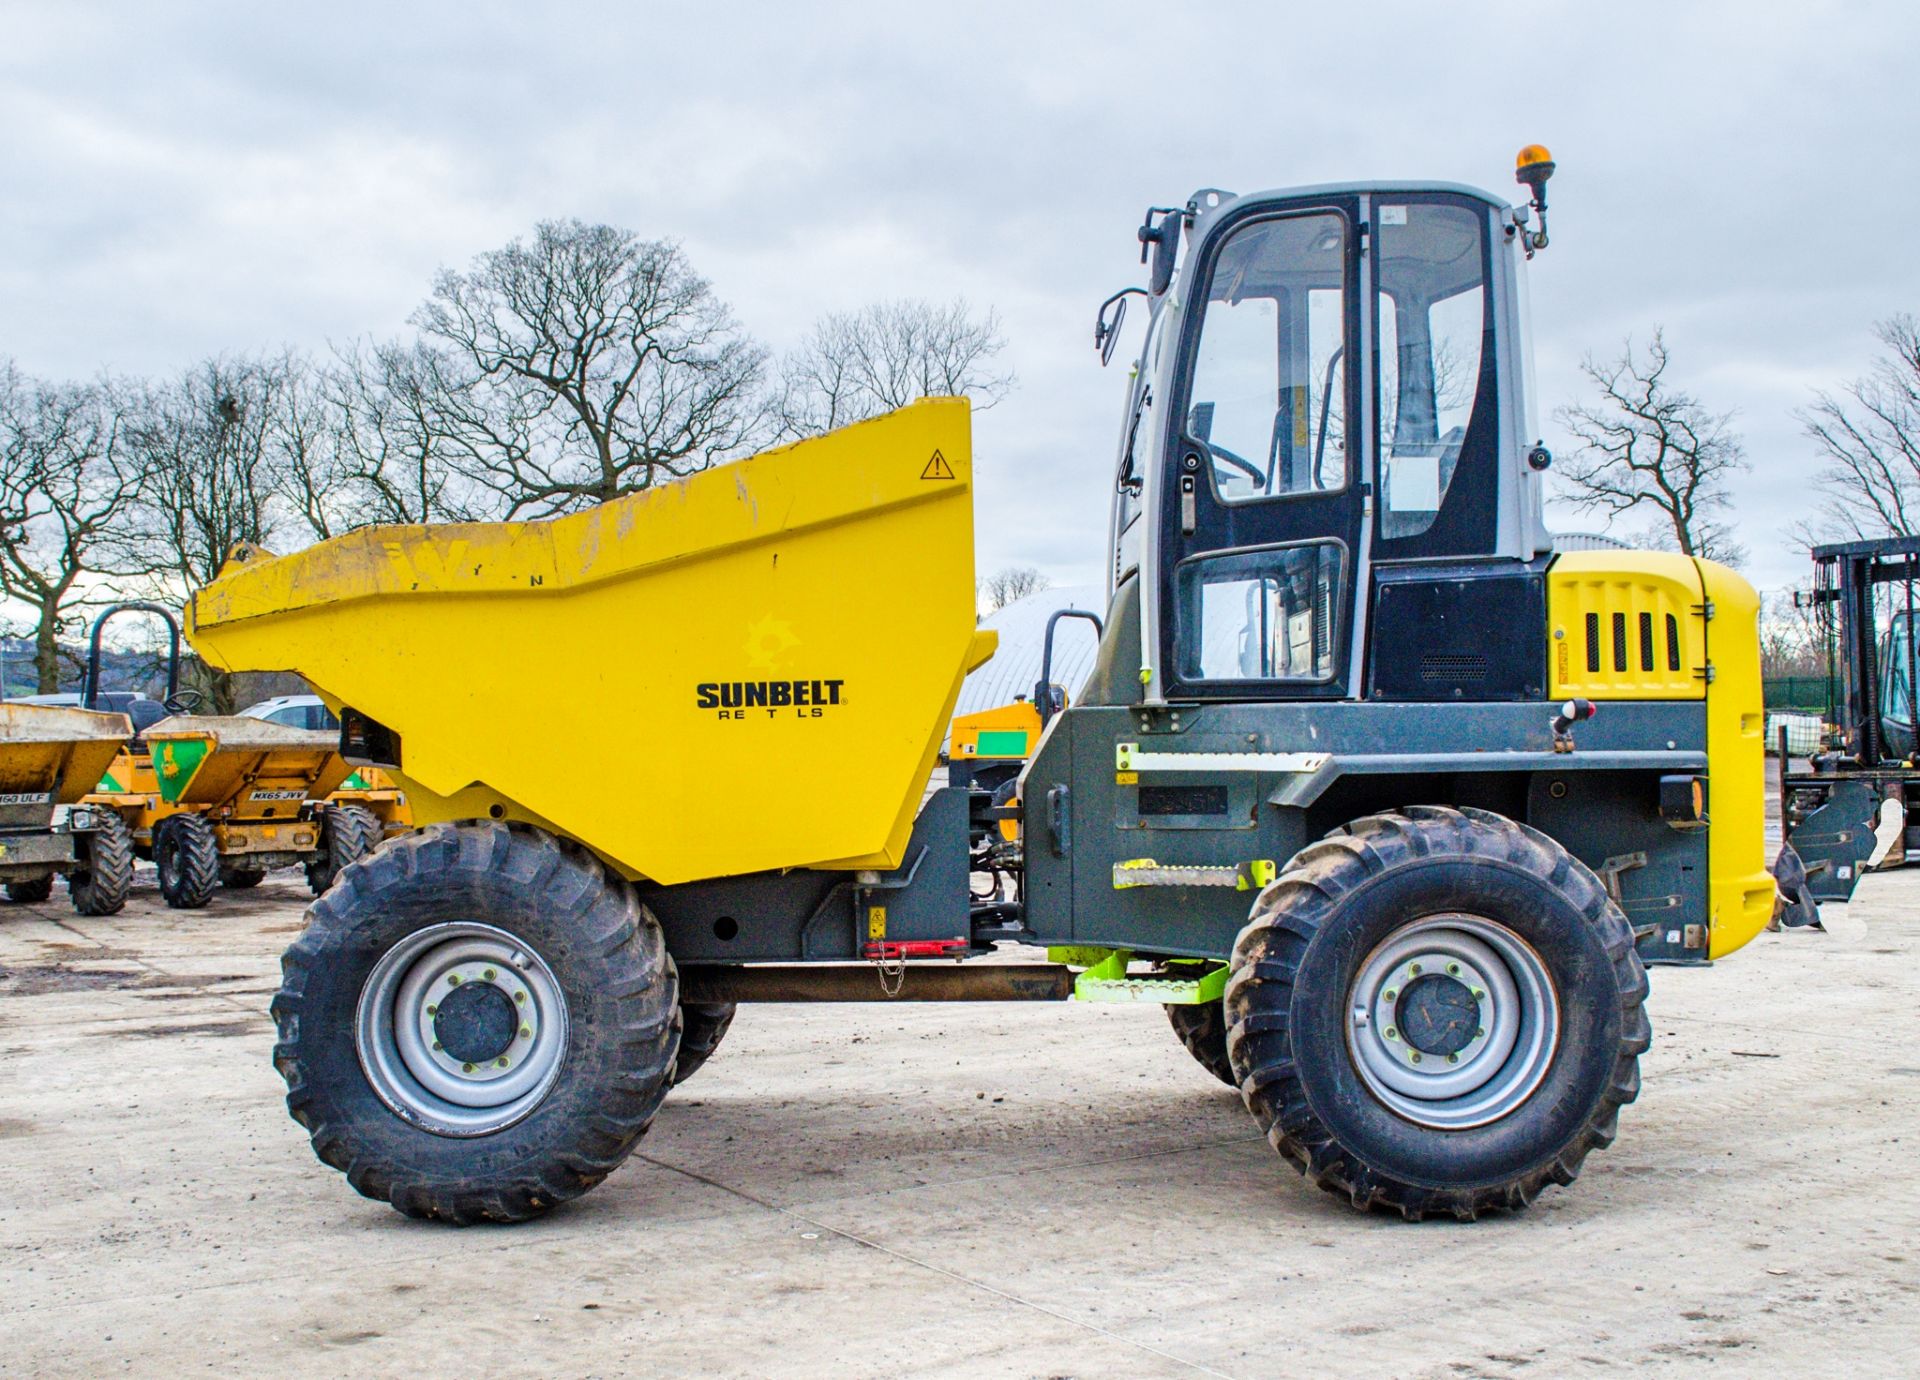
{"x": 1107, "y": 322}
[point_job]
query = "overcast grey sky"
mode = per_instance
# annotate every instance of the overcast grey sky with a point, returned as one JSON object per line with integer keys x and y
{"x": 180, "y": 179}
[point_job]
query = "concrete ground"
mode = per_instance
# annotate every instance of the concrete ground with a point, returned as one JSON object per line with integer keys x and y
{"x": 1024, "y": 1191}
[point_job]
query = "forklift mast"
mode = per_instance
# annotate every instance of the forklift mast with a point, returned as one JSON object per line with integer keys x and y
{"x": 1870, "y": 658}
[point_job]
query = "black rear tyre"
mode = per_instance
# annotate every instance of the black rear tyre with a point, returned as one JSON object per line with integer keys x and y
{"x": 30, "y": 890}
{"x": 548, "y": 941}
{"x": 188, "y": 858}
{"x": 702, "y": 1026}
{"x": 1366, "y": 1109}
{"x": 1203, "y": 1030}
{"x": 347, "y": 834}
{"x": 242, "y": 878}
{"x": 100, "y": 887}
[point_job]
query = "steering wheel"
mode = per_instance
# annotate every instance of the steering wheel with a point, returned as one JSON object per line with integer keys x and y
{"x": 1220, "y": 452}
{"x": 184, "y": 702}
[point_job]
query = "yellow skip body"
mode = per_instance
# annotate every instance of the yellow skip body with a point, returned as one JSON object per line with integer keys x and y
{"x": 687, "y": 657}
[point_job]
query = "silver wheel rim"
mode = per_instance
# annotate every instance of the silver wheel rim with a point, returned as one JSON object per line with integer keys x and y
{"x": 448, "y": 1092}
{"x": 1453, "y": 1021}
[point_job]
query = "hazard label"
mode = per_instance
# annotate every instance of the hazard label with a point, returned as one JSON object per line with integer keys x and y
{"x": 937, "y": 468}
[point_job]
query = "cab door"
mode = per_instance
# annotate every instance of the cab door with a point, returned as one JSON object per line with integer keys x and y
{"x": 1263, "y": 492}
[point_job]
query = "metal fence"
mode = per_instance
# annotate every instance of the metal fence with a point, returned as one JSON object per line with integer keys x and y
{"x": 1796, "y": 692}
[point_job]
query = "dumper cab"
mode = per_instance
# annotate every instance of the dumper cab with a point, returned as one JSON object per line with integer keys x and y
{"x": 1333, "y": 590}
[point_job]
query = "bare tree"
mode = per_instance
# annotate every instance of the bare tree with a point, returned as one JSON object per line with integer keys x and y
{"x": 361, "y": 441}
{"x": 205, "y": 443}
{"x": 585, "y": 364}
{"x": 1791, "y": 640}
{"x": 205, "y": 439}
{"x": 1646, "y": 445}
{"x": 1010, "y": 584}
{"x": 67, "y": 483}
{"x": 856, "y": 365}
{"x": 308, "y": 466}
{"x": 1869, "y": 438}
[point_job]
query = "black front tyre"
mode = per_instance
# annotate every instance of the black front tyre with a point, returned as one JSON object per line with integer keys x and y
{"x": 1437, "y": 1012}
{"x": 101, "y": 885}
{"x": 187, "y": 855}
{"x": 477, "y": 1023}
{"x": 30, "y": 890}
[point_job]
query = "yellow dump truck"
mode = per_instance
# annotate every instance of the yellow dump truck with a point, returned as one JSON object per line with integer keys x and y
{"x": 1387, "y": 801}
{"x": 50, "y": 759}
{"x": 242, "y": 797}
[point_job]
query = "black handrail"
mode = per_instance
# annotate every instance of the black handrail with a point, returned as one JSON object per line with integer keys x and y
{"x": 90, "y": 687}
{"x": 1043, "y": 689}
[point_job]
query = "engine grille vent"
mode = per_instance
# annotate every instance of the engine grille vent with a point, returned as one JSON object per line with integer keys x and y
{"x": 1451, "y": 668}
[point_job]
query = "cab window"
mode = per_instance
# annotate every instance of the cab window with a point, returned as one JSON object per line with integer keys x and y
{"x": 1433, "y": 344}
{"x": 1269, "y": 388}
{"x": 1270, "y": 615}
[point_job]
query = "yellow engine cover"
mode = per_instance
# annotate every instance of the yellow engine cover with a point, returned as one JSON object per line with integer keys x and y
{"x": 744, "y": 670}
{"x": 1634, "y": 625}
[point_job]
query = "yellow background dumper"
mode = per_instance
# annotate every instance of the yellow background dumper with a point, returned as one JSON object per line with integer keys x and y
{"x": 244, "y": 797}
{"x": 50, "y": 758}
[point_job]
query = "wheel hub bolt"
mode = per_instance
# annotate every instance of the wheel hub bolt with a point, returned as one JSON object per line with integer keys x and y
{"x": 1453, "y": 970}
{"x": 526, "y": 1032}
{"x": 1391, "y": 994}
{"x": 466, "y": 1068}
{"x": 1414, "y": 1055}
{"x": 1392, "y": 1034}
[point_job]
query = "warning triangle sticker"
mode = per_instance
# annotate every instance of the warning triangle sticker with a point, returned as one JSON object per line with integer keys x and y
{"x": 937, "y": 468}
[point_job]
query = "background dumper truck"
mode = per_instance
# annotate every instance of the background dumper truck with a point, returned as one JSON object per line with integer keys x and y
{"x": 1384, "y": 798}
{"x": 50, "y": 758}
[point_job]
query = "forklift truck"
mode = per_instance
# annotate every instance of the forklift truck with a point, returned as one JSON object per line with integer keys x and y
{"x": 1846, "y": 812}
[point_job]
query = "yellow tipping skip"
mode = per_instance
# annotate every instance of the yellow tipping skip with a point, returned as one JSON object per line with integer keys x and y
{"x": 665, "y": 677}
